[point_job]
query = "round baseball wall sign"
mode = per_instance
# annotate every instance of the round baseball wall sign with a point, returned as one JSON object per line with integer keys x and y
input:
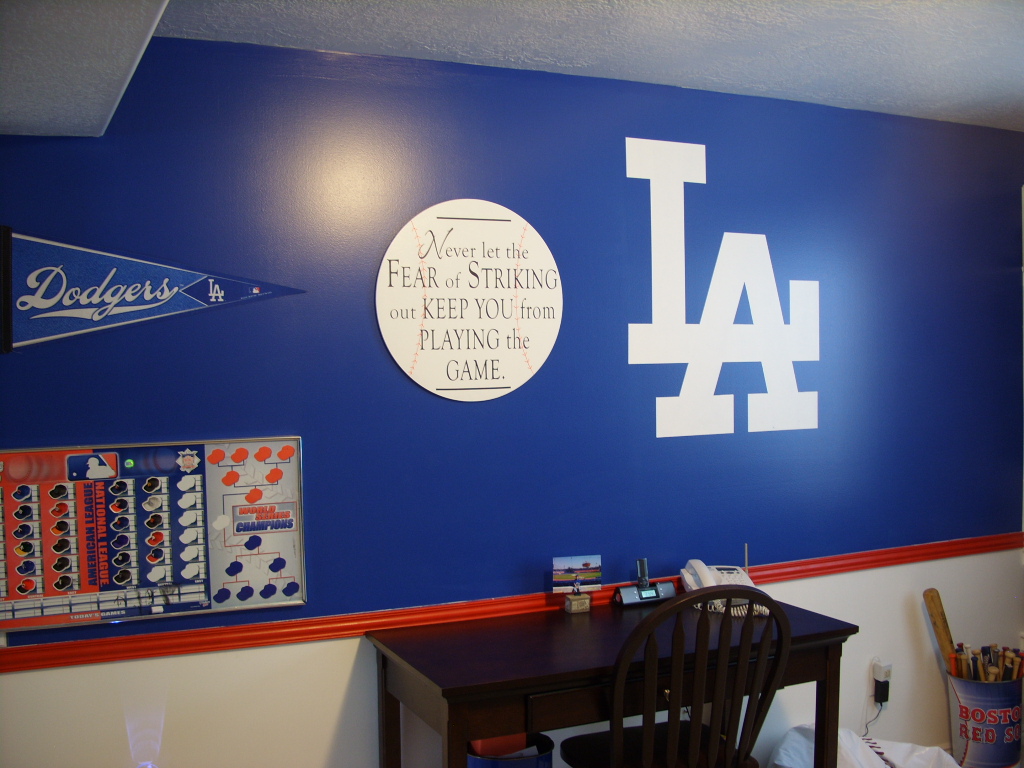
{"x": 469, "y": 300}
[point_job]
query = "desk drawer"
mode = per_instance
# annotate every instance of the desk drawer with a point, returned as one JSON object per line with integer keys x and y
{"x": 562, "y": 709}
{"x": 587, "y": 704}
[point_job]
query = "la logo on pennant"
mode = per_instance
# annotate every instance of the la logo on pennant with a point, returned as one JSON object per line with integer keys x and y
{"x": 744, "y": 264}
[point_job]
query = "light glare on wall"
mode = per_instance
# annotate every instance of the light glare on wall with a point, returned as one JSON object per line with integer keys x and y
{"x": 347, "y": 178}
{"x": 145, "y": 705}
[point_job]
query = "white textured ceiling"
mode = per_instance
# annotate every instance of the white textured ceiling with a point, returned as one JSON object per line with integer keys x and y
{"x": 956, "y": 60}
{"x": 65, "y": 63}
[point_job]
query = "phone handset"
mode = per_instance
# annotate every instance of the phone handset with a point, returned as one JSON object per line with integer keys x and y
{"x": 696, "y": 575}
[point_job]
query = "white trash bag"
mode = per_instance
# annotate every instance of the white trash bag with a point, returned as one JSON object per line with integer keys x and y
{"x": 796, "y": 750}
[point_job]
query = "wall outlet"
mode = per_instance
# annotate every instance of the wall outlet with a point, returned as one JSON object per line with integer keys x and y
{"x": 881, "y": 672}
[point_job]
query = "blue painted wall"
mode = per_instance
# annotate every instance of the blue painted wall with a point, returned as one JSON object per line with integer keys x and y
{"x": 299, "y": 168}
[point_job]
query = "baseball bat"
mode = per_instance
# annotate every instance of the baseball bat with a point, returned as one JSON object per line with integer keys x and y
{"x": 939, "y": 624}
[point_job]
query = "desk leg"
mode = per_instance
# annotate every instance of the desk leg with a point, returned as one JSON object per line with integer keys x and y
{"x": 454, "y": 743}
{"x": 826, "y": 729}
{"x": 389, "y": 719}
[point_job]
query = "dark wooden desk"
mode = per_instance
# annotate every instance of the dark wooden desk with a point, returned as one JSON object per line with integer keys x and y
{"x": 543, "y": 671}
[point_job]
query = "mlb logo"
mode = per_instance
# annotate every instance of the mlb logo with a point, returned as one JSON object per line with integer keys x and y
{"x": 92, "y": 466}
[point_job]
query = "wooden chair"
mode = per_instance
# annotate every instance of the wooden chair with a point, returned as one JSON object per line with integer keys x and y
{"x": 723, "y": 666}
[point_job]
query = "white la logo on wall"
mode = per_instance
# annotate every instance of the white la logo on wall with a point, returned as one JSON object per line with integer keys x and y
{"x": 469, "y": 300}
{"x": 743, "y": 262}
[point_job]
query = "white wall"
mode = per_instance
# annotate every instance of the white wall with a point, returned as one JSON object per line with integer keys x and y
{"x": 314, "y": 704}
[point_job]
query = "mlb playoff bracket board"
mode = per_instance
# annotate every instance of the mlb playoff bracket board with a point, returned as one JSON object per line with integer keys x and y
{"x": 97, "y": 534}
